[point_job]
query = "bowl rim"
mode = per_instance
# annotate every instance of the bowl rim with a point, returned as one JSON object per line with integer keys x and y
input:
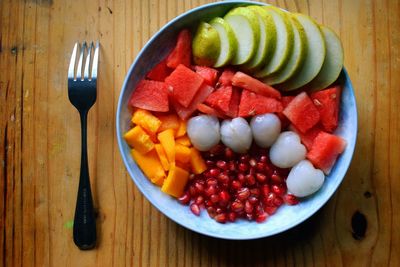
{"x": 120, "y": 139}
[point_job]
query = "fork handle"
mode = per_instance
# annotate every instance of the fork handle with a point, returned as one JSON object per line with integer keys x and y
{"x": 84, "y": 222}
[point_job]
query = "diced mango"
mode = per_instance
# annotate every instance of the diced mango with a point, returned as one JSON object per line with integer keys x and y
{"x": 182, "y": 129}
{"x": 186, "y": 166}
{"x": 198, "y": 164}
{"x": 150, "y": 165}
{"x": 184, "y": 140}
{"x": 139, "y": 139}
{"x": 146, "y": 120}
{"x": 182, "y": 153}
{"x": 175, "y": 182}
{"x": 162, "y": 156}
{"x": 167, "y": 141}
{"x": 168, "y": 121}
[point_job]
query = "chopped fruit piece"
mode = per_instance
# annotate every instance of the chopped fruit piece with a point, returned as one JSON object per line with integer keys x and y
{"x": 234, "y": 103}
{"x": 197, "y": 162}
{"x": 159, "y": 72}
{"x": 209, "y": 74}
{"x": 185, "y": 84}
{"x": 307, "y": 138}
{"x": 169, "y": 121}
{"x": 210, "y": 111}
{"x": 181, "y": 130}
{"x": 182, "y": 153}
{"x": 139, "y": 139}
{"x": 150, "y": 95}
{"x": 184, "y": 140}
{"x": 285, "y": 100}
{"x": 202, "y": 94}
{"x": 220, "y": 99}
{"x": 328, "y": 104}
{"x": 182, "y": 52}
{"x": 302, "y": 112}
{"x": 252, "y": 104}
{"x": 162, "y": 156}
{"x": 226, "y": 77}
{"x": 150, "y": 165}
{"x": 167, "y": 141}
{"x": 325, "y": 150}
{"x": 245, "y": 81}
{"x": 186, "y": 166}
{"x": 146, "y": 120}
{"x": 175, "y": 182}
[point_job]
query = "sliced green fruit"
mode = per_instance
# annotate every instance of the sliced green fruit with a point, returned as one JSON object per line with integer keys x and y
{"x": 333, "y": 62}
{"x": 297, "y": 57}
{"x": 315, "y": 55}
{"x": 246, "y": 28}
{"x": 267, "y": 43}
{"x": 206, "y": 45}
{"x": 284, "y": 43}
{"x": 227, "y": 39}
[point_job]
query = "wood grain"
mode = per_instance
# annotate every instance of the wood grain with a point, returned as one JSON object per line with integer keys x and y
{"x": 40, "y": 143}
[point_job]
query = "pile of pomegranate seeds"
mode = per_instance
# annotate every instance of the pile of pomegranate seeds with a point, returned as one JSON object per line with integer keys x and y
{"x": 238, "y": 186}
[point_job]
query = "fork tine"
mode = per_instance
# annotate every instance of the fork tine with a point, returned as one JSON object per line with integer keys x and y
{"x": 80, "y": 63}
{"x": 72, "y": 63}
{"x": 95, "y": 61}
{"x": 87, "y": 64}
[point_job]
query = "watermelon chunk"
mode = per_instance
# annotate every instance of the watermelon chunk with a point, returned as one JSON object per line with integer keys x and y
{"x": 245, "y": 81}
{"x": 328, "y": 104}
{"x": 285, "y": 102}
{"x": 159, "y": 72}
{"x": 185, "y": 84}
{"x": 234, "y": 104}
{"x": 150, "y": 95}
{"x": 307, "y": 138}
{"x": 220, "y": 99}
{"x": 210, "y": 75}
{"x": 325, "y": 150}
{"x": 302, "y": 112}
{"x": 182, "y": 53}
{"x": 253, "y": 104}
{"x": 210, "y": 111}
{"x": 201, "y": 95}
{"x": 226, "y": 77}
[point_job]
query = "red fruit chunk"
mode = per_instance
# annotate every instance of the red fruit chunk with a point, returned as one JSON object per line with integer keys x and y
{"x": 328, "y": 104}
{"x": 325, "y": 150}
{"x": 226, "y": 77}
{"x": 184, "y": 113}
{"x": 245, "y": 81}
{"x": 307, "y": 138}
{"x": 252, "y": 104}
{"x": 285, "y": 102}
{"x": 182, "y": 52}
{"x": 234, "y": 104}
{"x": 220, "y": 99}
{"x": 185, "y": 84}
{"x": 210, "y": 75}
{"x": 210, "y": 111}
{"x": 302, "y": 112}
{"x": 159, "y": 72}
{"x": 150, "y": 95}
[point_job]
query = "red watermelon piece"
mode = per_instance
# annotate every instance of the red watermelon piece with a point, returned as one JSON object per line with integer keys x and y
{"x": 302, "y": 112}
{"x": 185, "y": 84}
{"x": 182, "y": 53}
{"x": 220, "y": 99}
{"x": 234, "y": 104}
{"x": 201, "y": 95}
{"x": 245, "y": 81}
{"x": 210, "y": 111}
{"x": 325, "y": 150}
{"x": 253, "y": 104}
{"x": 159, "y": 72}
{"x": 328, "y": 104}
{"x": 307, "y": 138}
{"x": 285, "y": 102}
{"x": 226, "y": 77}
{"x": 210, "y": 75}
{"x": 150, "y": 95}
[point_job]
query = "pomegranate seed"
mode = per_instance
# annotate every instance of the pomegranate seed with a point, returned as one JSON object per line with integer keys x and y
{"x": 232, "y": 216}
{"x": 241, "y": 177}
{"x": 255, "y": 192}
{"x": 236, "y": 185}
{"x": 244, "y": 158}
{"x": 222, "y": 164}
{"x": 269, "y": 199}
{"x": 248, "y": 207}
{"x": 214, "y": 172}
{"x": 229, "y": 154}
{"x": 278, "y": 189}
{"x": 263, "y": 159}
{"x": 224, "y": 198}
{"x": 208, "y": 203}
{"x": 278, "y": 201}
{"x": 259, "y": 209}
{"x": 243, "y": 167}
{"x": 252, "y": 162}
{"x": 192, "y": 176}
{"x": 270, "y": 210}
{"x": 291, "y": 199}
{"x": 209, "y": 163}
{"x": 221, "y": 218}
{"x": 250, "y": 180}
{"x": 212, "y": 181}
{"x": 223, "y": 178}
{"x": 261, "y": 217}
{"x": 261, "y": 177}
{"x": 219, "y": 210}
{"x": 184, "y": 199}
{"x": 214, "y": 198}
{"x": 260, "y": 166}
{"x": 199, "y": 187}
{"x": 265, "y": 190}
{"x": 253, "y": 200}
{"x": 249, "y": 216}
{"x": 217, "y": 150}
{"x": 211, "y": 212}
{"x": 210, "y": 190}
{"x": 237, "y": 206}
{"x": 195, "y": 209}
{"x": 252, "y": 171}
{"x": 276, "y": 178}
{"x": 232, "y": 166}
{"x": 193, "y": 190}
{"x": 199, "y": 200}
{"x": 243, "y": 193}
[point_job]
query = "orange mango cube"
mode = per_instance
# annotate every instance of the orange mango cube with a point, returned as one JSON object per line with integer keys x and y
{"x": 176, "y": 181}
{"x": 139, "y": 139}
{"x": 182, "y": 153}
{"x": 146, "y": 120}
{"x": 162, "y": 156}
{"x": 167, "y": 141}
{"x": 150, "y": 165}
{"x": 184, "y": 140}
{"x": 181, "y": 130}
{"x": 197, "y": 162}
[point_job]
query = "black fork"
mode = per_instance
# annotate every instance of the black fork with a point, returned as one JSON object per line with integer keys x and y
{"x": 82, "y": 85}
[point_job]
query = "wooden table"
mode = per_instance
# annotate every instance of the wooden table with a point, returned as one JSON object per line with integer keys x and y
{"x": 40, "y": 144}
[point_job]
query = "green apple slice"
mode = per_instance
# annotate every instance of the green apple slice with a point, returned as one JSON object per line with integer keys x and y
{"x": 284, "y": 43}
{"x": 206, "y": 45}
{"x": 227, "y": 39}
{"x": 246, "y": 28}
{"x": 267, "y": 41}
{"x": 333, "y": 62}
{"x": 297, "y": 57}
{"x": 315, "y": 55}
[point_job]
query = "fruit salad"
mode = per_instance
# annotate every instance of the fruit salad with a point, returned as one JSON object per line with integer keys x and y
{"x": 240, "y": 118}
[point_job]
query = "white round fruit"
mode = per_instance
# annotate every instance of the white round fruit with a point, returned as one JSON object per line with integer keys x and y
{"x": 287, "y": 151}
{"x": 203, "y": 131}
{"x": 265, "y": 129}
{"x": 236, "y": 134}
{"x": 304, "y": 179}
